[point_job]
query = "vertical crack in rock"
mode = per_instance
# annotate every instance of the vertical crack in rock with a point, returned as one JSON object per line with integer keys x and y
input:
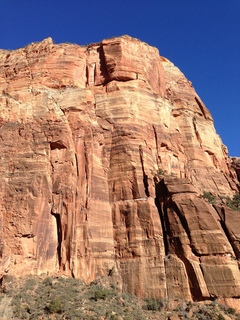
{"x": 109, "y": 63}
{"x": 103, "y": 67}
{"x": 222, "y": 215}
{"x": 156, "y": 142}
{"x": 184, "y": 225}
{"x": 201, "y": 107}
{"x": 87, "y": 76}
{"x": 77, "y": 168}
{"x": 164, "y": 202}
{"x": 59, "y": 237}
{"x": 192, "y": 278}
{"x": 231, "y": 242}
{"x": 162, "y": 190}
{"x": 86, "y": 173}
{"x": 165, "y": 225}
{"x": 145, "y": 177}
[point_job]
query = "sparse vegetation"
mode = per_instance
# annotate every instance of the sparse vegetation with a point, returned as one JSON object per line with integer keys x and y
{"x": 234, "y": 203}
{"x": 209, "y": 197}
{"x": 231, "y": 310}
{"x": 237, "y": 316}
{"x": 160, "y": 172}
{"x": 55, "y": 306}
{"x": 66, "y": 298}
{"x": 153, "y": 304}
{"x": 100, "y": 293}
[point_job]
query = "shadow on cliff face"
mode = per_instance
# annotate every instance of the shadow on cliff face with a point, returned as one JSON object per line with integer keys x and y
{"x": 173, "y": 244}
{"x": 226, "y": 216}
{"x": 161, "y": 194}
{"x": 162, "y": 202}
{"x": 59, "y": 236}
{"x": 103, "y": 68}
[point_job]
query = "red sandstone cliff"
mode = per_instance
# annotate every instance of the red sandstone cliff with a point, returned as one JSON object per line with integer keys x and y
{"x": 106, "y": 151}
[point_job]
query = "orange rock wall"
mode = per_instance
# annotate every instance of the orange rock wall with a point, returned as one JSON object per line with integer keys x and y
{"x": 106, "y": 151}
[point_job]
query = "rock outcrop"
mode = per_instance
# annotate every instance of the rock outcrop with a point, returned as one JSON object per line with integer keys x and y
{"x": 106, "y": 153}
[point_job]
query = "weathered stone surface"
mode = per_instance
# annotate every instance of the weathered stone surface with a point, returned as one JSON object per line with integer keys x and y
{"x": 106, "y": 151}
{"x": 235, "y": 162}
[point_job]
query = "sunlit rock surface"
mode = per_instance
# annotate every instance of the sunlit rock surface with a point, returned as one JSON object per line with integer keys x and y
{"x": 105, "y": 154}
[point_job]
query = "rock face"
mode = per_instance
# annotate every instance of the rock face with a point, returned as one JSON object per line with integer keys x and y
{"x": 106, "y": 152}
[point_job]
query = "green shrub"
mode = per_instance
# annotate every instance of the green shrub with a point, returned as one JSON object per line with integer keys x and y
{"x": 237, "y": 316}
{"x": 209, "y": 196}
{"x": 160, "y": 171}
{"x": 66, "y": 298}
{"x": 100, "y": 293}
{"x": 55, "y": 306}
{"x": 234, "y": 203}
{"x": 231, "y": 310}
{"x": 153, "y": 304}
{"x": 30, "y": 283}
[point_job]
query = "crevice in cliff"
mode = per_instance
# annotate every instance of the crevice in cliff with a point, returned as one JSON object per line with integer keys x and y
{"x": 185, "y": 227}
{"x": 179, "y": 251}
{"x": 103, "y": 67}
{"x": 86, "y": 168}
{"x": 77, "y": 168}
{"x": 201, "y": 107}
{"x": 145, "y": 177}
{"x": 165, "y": 225}
{"x": 25, "y": 235}
{"x": 193, "y": 281}
{"x": 161, "y": 196}
{"x": 59, "y": 236}
{"x": 156, "y": 142}
{"x": 222, "y": 216}
{"x": 173, "y": 244}
{"x": 57, "y": 145}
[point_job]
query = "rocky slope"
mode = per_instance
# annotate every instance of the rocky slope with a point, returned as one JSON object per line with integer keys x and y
{"x": 106, "y": 152}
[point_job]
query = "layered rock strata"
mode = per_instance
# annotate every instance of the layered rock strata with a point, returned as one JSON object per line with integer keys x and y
{"x": 106, "y": 152}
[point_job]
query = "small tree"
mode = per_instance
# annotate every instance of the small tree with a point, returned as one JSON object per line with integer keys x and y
{"x": 209, "y": 196}
{"x": 55, "y": 306}
{"x": 153, "y": 304}
{"x": 234, "y": 203}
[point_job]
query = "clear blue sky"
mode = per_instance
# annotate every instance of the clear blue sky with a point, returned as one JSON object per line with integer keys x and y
{"x": 201, "y": 37}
